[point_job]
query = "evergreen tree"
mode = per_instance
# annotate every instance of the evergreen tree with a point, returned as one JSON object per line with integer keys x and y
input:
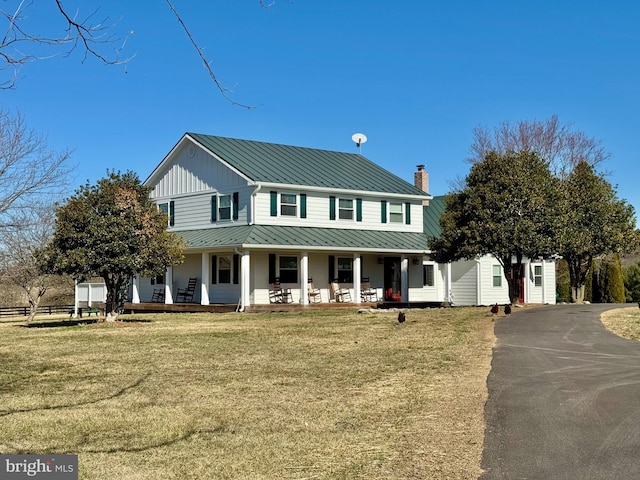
{"x": 112, "y": 230}
{"x": 632, "y": 283}
{"x": 613, "y": 286}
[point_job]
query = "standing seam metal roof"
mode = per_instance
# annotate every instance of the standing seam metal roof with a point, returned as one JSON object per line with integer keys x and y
{"x": 273, "y": 163}
{"x": 317, "y": 238}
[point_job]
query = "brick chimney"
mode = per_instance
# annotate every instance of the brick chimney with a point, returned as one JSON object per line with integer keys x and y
{"x": 421, "y": 181}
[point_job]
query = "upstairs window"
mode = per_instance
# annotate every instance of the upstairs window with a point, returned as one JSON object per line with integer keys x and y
{"x": 345, "y": 209}
{"x": 395, "y": 212}
{"x": 168, "y": 209}
{"x": 288, "y": 205}
{"x": 224, "y": 208}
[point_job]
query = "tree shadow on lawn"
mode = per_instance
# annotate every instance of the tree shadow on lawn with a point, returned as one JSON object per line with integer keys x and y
{"x": 74, "y": 322}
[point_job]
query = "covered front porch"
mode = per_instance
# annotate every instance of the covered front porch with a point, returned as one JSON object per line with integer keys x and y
{"x": 239, "y": 266}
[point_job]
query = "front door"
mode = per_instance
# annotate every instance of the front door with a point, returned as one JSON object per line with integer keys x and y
{"x": 392, "y": 279}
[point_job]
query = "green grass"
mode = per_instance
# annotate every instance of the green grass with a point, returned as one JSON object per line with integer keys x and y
{"x": 322, "y": 394}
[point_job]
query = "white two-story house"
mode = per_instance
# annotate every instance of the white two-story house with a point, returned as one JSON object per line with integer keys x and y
{"x": 252, "y": 212}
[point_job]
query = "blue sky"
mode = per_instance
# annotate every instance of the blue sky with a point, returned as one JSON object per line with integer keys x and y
{"x": 415, "y": 76}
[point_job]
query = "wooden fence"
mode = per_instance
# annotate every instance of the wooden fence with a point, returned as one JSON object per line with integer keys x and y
{"x": 42, "y": 310}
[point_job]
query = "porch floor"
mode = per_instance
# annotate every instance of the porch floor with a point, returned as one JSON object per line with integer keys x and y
{"x": 154, "y": 307}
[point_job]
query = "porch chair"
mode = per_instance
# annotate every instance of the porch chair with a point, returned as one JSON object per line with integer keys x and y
{"x": 158, "y": 295}
{"x": 340, "y": 294}
{"x": 314, "y": 293}
{"x": 277, "y": 294}
{"x": 185, "y": 295}
{"x": 367, "y": 292}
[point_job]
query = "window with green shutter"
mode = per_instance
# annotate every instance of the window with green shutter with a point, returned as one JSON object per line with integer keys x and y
{"x": 274, "y": 204}
{"x": 407, "y": 213}
{"x": 303, "y": 205}
{"x": 332, "y": 208}
{"x": 383, "y": 211}
{"x": 358, "y": 209}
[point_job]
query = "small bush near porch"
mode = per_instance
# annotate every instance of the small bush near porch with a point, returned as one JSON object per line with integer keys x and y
{"x": 260, "y": 396}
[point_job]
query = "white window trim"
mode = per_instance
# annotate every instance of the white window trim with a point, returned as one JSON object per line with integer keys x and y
{"x": 493, "y": 276}
{"x": 389, "y": 214}
{"x": 281, "y": 204}
{"x": 434, "y": 266}
{"x": 218, "y": 206}
{"x": 352, "y": 209}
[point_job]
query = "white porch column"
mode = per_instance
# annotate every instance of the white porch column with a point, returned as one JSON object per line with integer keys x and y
{"x": 527, "y": 284}
{"x": 449, "y": 292}
{"x": 76, "y": 302}
{"x": 245, "y": 280}
{"x": 544, "y": 274}
{"x": 135, "y": 289}
{"x": 204, "y": 276}
{"x": 357, "y": 276}
{"x": 304, "y": 278}
{"x": 404, "y": 279}
{"x": 168, "y": 286}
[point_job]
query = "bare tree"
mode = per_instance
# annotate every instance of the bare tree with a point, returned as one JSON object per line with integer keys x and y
{"x": 557, "y": 144}
{"x": 90, "y": 34}
{"x": 30, "y": 174}
{"x": 28, "y": 231}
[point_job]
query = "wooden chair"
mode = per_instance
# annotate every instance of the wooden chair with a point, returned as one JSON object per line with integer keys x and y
{"x": 314, "y": 293}
{"x": 277, "y": 294}
{"x": 185, "y": 295}
{"x": 158, "y": 295}
{"x": 367, "y": 292}
{"x": 340, "y": 294}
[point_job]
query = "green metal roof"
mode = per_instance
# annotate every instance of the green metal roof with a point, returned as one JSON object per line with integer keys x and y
{"x": 265, "y": 236}
{"x": 273, "y": 163}
{"x": 431, "y": 216}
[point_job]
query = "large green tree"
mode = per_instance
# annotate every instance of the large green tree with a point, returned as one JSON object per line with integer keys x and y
{"x": 114, "y": 231}
{"x": 507, "y": 208}
{"x": 594, "y": 223}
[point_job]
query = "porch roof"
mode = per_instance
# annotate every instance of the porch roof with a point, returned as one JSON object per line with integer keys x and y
{"x": 306, "y": 238}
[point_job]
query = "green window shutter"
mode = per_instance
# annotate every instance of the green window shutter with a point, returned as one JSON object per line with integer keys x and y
{"x": 332, "y": 268}
{"x": 358, "y": 209}
{"x": 214, "y": 208}
{"x": 383, "y": 211}
{"x": 235, "y": 205}
{"x": 332, "y": 208}
{"x": 272, "y": 267}
{"x": 407, "y": 213}
{"x": 303, "y": 205}
{"x": 236, "y": 267}
{"x": 274, "y": 204}
{"x": 214, "y": 269}
{"x": 172, "y": 213}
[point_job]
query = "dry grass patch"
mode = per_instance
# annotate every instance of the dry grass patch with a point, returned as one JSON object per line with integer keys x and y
{"x": 624, "y": 322}
{"x": 334, "y": 395}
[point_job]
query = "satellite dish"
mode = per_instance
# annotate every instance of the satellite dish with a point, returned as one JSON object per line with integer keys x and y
{"x": 359, "y": 138}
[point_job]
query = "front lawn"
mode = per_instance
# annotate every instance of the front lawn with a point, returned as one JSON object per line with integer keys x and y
{"x": 322, "y": 394}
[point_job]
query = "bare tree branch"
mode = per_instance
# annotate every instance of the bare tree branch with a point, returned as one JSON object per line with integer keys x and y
{"x": 207, "y": 64}
{"x": 557, "y": 144}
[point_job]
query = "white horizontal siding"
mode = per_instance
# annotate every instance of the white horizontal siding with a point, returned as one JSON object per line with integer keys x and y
{"x": 318, "y": 213}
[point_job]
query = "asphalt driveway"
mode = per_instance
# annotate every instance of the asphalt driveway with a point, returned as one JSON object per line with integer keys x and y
{"x": 564, "y": 398}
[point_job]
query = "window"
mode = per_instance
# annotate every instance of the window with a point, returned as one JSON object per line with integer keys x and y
{"x": 537, "y": 275}
{"x": 395, "y": 212}
{"x": 168, "y": 209}
{"x": 345, "y": 209}
{"x": 345, "y": 270}
{"x": 288, "y": 205}
{"x": 157, "y": 280}
{"x": 224, "y": 269}
{"x": 428, "y": 275}
{"x": 497, "y": 276}
{"x": 224, "y": 207}
{"x": 288, "y": 269}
